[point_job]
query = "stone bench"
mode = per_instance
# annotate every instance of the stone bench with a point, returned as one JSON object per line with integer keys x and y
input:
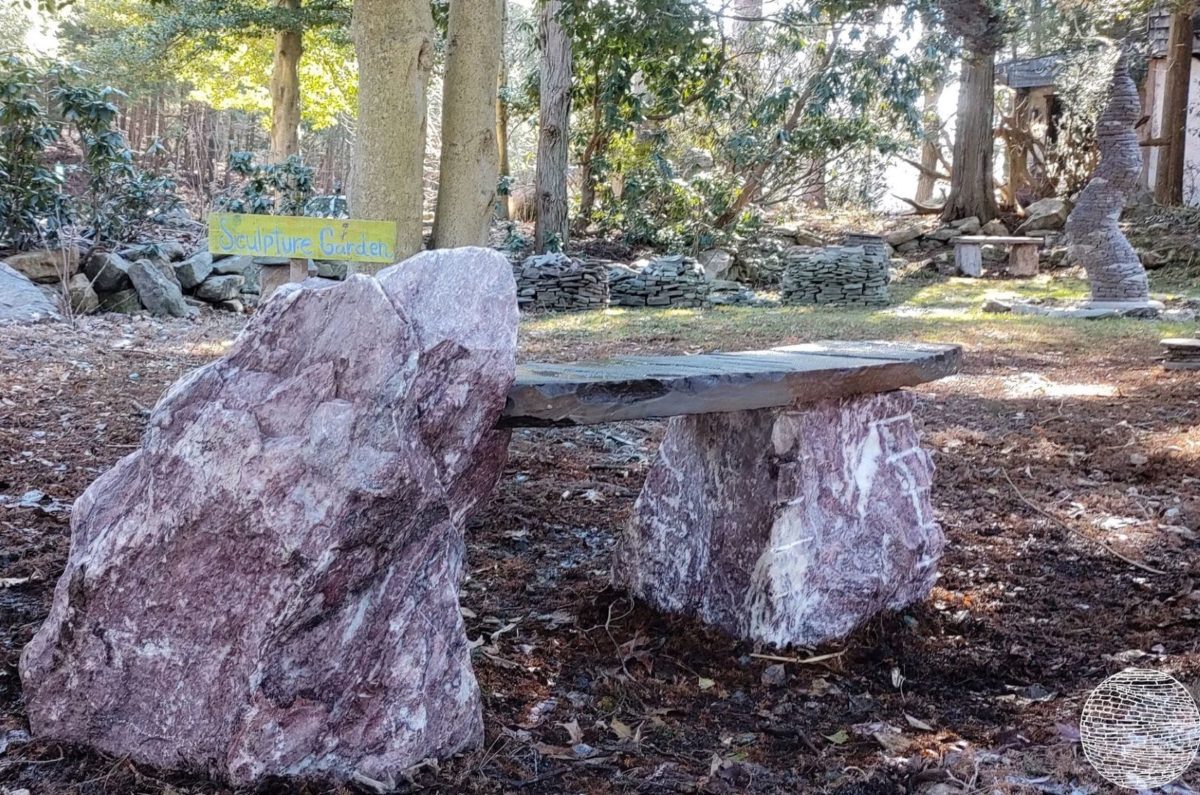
{"x": 789, "y": 501}
{"x": 1022, "y": 255}
{"x": 267, "y": 586}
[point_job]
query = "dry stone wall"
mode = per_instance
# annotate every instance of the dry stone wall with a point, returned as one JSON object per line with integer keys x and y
{"x": 839, "y": 275}
{"x": 557, "y": 282}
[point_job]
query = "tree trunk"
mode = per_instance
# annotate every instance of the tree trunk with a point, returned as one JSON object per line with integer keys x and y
{"x": 971, "y": 188}
{"x": 469, "y": 165}
{"x": 927, "y": 177}
{"x": 551, "y": 228}
{"x": 587, "y": 177}
{"x": 505, "y": 201}
{"x": 285, "y": 89}
{"x": 1168, "y": 181}
{"x": 393, "y": 40}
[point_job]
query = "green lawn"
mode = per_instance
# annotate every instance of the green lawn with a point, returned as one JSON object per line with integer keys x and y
{"x": 925, "y": 307}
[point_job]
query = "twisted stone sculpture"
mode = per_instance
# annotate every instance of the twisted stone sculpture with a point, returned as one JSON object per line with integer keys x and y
{"x": 1094, "y": 237}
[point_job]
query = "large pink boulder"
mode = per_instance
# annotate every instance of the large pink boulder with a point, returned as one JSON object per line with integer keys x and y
{"x": 789, "y": 527}
{"x": 268, "y": 585}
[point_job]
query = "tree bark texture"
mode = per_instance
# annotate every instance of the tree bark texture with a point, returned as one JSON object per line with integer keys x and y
{"x": 470, "y": 161}
{"x": 927, "y": 177}
{"x": 1094, "y": 238}
{"x": 1168, "y": 181}
{"x": 551, "y": 228}
{"x": 504, "y": 209}
{"x": 285, "y": 89}
{"x": 971, "y": 189}
{"x": 393, "y": 40}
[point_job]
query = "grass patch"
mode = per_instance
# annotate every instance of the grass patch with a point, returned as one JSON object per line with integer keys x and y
{"x": 926, "y": 310}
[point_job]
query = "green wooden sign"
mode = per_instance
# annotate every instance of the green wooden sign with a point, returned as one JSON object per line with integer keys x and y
{"x": 297, "y": 237}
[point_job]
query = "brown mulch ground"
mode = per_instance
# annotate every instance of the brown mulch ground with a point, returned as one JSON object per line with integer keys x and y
{"x": 977, "y": 690}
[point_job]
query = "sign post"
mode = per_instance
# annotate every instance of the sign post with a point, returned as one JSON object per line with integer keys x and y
{"x": 300, "y": 239}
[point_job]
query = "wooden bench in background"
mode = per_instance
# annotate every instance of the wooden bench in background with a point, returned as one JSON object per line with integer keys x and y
{"x": 1022, "y": 254}
{"x": 789, "y": 501}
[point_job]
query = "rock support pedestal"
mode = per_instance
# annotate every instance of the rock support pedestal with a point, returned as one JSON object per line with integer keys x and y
{"x": 786, "y": 526}
{"x": 268, "y": 585}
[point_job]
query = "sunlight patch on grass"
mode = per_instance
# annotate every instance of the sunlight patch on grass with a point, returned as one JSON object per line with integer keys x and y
{"x": 941, "y": 311}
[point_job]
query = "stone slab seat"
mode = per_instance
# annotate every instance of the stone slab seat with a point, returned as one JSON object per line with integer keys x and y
{"x": 789, "y": 501}
{"x": 1022, "y": 257}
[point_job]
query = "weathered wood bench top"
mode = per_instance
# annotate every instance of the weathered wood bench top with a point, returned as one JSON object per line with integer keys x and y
{"x": 643, "y": 387}
{"x": 999, "y": 240}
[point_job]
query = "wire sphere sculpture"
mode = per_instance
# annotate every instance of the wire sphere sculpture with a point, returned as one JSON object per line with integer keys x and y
{"x": 1140, "y": 729}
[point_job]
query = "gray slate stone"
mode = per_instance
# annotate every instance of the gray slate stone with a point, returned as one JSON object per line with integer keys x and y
{"x": 158, "y": 293}
{"x": 220, "y": 288}
{"x": 641, "y": 387}
{"x": 332, "y": 269}
{"x": 230, "y": 265}
{"x": 108, "y": 272}
{"x": 193, "y": 270}
{"x": 21, "y": 301}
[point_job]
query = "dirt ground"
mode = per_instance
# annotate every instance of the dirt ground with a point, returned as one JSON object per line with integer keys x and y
{"x": 1067, "y": 477}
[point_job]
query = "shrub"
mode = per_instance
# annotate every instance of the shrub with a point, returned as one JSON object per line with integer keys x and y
{"x": 268, "y": 188}
{"x": 42, "y": 113}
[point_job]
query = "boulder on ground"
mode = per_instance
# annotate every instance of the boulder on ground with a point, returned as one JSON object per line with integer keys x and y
{"x": 944, "y": 234}
{"x": 717, "y": 263}
{"x": 108, "y": 272}
{"x": 268, "y": 585}
{"x": 194, "y": 270}
{"x": 967, "y": 226}
{"x": 994, "y": 228}
{"x": 45, "y": 266}
{"x": 220, "y": 288}
{"x": 1045, "y": 215}
{"x": 905, "y": 234}
{"x": 22, "y": 301}
{"x": 236, "y": 264}
{"x": 332, "y": 269}
{"x": 158, "y": 293}
{"x": 124, "y": 301}
{"x": 84, "y": 300}
{"x": 789, "y": 527}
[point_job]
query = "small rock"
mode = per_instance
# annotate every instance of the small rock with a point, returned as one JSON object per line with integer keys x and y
{"x": 996, "y": 307}
{"x": 236, "y": 265}
{"x": 220, "y": 288}
{"x": 716, "y": 262}
{"x": 158, "y": 292}
{"x": 332, "y": 269}
{"x": 995, "y": 228}
{"x": 194, "y": 270}
{"x": 967, "y": 226}
{"x": 1045, "y": 214}
{"x": 903, "y": 236}
{"x": 84, "y": 300}
{"x": 108, "y": 272}
{"x": 774, "y": 676}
